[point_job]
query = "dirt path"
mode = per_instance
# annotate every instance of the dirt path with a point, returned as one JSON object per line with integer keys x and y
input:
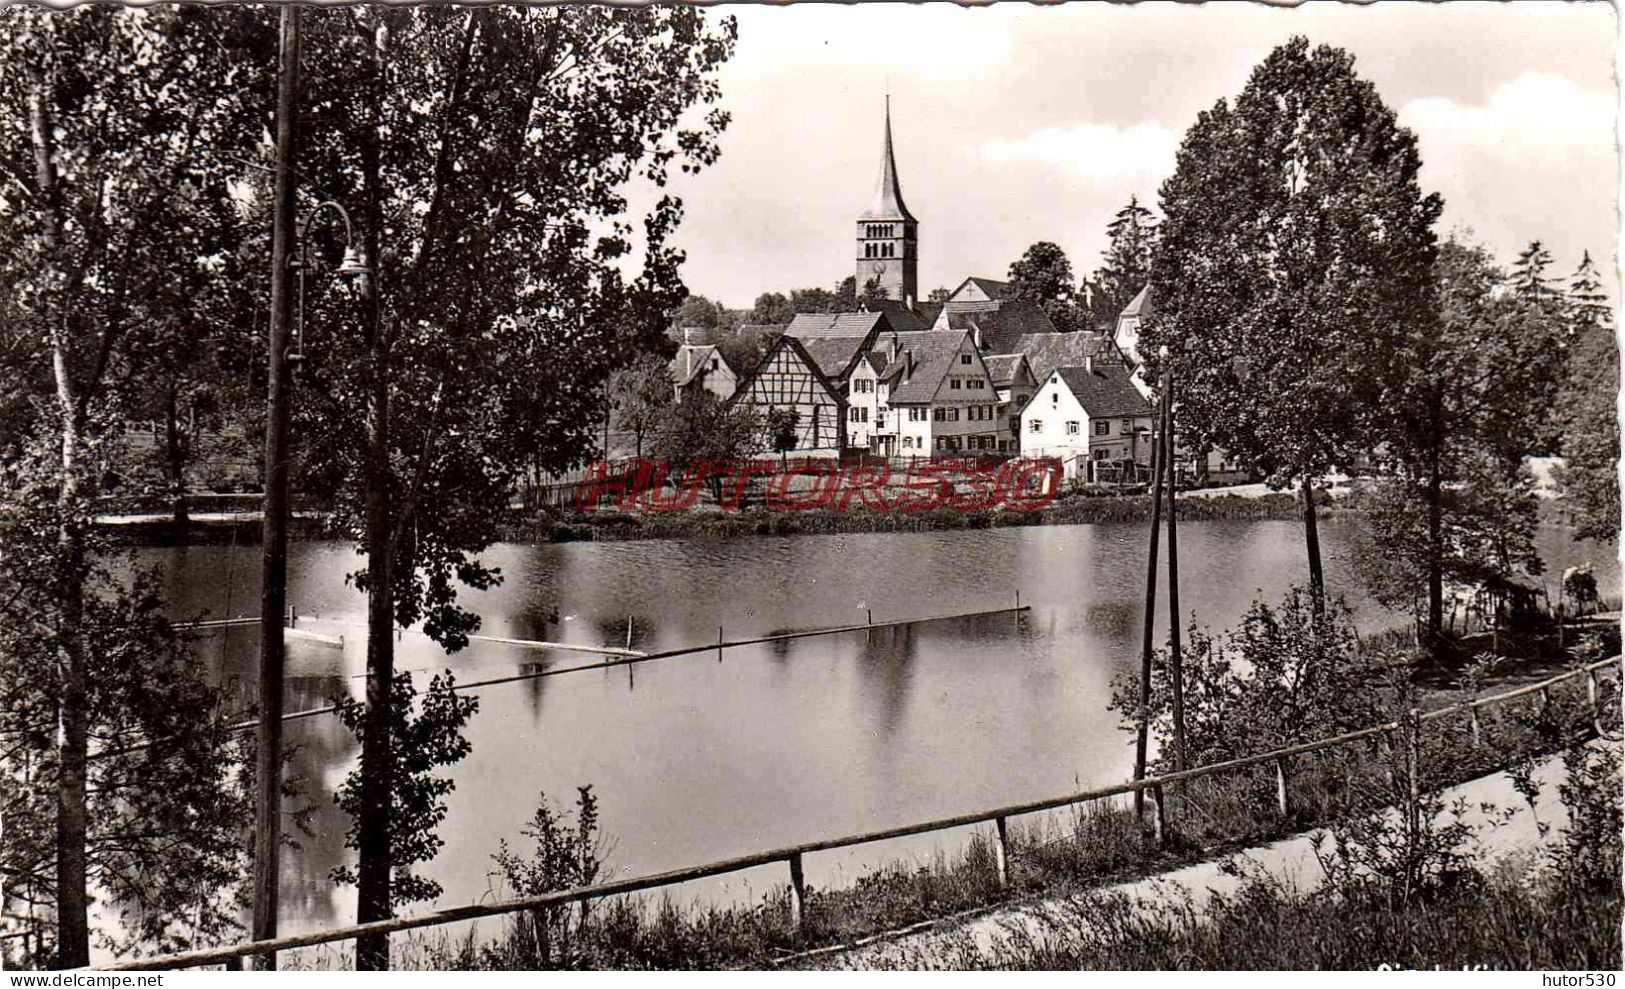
{"x": 1292, "y": 860}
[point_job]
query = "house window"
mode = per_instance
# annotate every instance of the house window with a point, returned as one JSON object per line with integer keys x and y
{"x": 1103, "y": 427}
{"x": 1035, "y": 425}
{"x": 942, "y": 444}
{"x": 1126, "y": 426}
{"x": 954, "y": 384}
{"x": 1021, "y": 399}
{"x": 863, "y": 415}
{"x": 852, "y": 414}
{"x": 1100, "y": 454}
{"x": 964, "y": 358}
{"x": 1072, "y": 429}
{"x": 953, "y": 415}
{"x": 1055, "y": 398}
{"x": 976, "y": 383}
{"x": 908, "y": 442}
{"x": 940, "y": 415}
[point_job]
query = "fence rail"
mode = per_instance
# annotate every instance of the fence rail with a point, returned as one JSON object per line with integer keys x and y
{"x": 792, "y": 855}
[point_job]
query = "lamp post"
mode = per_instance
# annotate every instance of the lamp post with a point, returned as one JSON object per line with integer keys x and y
{"x": 285, "y": 257}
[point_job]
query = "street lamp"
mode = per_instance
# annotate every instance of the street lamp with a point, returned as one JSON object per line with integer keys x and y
{"x": 353, "y": 266}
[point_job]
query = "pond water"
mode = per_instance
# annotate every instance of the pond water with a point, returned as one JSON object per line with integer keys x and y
{"x": 696, "y": 759}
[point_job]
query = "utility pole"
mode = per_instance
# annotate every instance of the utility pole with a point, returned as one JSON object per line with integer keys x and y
{"x": 274, "y": 593}
{"x": 1176, "y": 664}
{"x": 1142, "y": 736}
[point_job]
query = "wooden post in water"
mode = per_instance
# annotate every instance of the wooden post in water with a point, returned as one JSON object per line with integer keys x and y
{"x": 1142, "y": 736}
{"x": 798, "y": 894}
{"x": 1001, "y": 850}
{"x": 719, "y": 643}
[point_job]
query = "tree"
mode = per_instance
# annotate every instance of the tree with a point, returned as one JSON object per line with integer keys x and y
{"x": 1295, "y": 249}
{"x": 771, "y": 307}
{"x": 641, "y": 392}
{"x": 479, "y": 344}
{"x": 846, "y": 295}
{"x": 938, "y": 295}
{"x": 781, "y": 430}
{"x": 873, "y": 292}
{"x": 698, "y": 311}
{"x": 1044, "y": 275}
{"x": 703, "y": 429}
{"x": 1467, "y": 407}
{"x": 1587, "y": 409}
{"x": 115, "y": 162}
{"x": 1126, "y": 267}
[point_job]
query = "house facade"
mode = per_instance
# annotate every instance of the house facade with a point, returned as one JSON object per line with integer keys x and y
{"x": 789, "y": 378}
{"x": 1092, "y": 419}
{"x": 1015, "y": 385}
{"x": 702, "y": 368}
{"x": 946, "y": 402}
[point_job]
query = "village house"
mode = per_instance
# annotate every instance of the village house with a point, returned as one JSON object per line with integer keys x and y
{"x": 788, "y": 378}
{"x": 1015, "y": 383}
{"x": 1092, "y": 419}
{"x": 701, "y": 367}
{"x": 947, "y": 403}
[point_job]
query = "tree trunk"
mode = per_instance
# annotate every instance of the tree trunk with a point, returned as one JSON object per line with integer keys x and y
{"x": 73, "y": 725}
{"x": 374, "y": 853}
{"x": 1311, "y": 540}
{"x": 73, "y": 714}
{"x": 1435, "y": 502}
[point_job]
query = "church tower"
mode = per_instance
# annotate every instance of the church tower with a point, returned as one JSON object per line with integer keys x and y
{"x": 888, "y": 234}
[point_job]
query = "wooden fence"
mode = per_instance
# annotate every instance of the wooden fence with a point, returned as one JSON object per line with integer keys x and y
{"x": 793, "y": 855}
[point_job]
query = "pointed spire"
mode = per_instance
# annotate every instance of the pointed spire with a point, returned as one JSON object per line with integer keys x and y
{"x": 889, "y": 203}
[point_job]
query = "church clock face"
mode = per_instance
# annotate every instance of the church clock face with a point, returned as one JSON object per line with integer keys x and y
{"x": 878, "y": 267}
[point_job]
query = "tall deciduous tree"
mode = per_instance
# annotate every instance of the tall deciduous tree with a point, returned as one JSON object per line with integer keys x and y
{"x": 482, "y": 152}
{"x": 772, "y": 307}
{"x": 1044, "y": 275}
{"x": 641, "y": 393}
{"x": 1588, "y": 411}
{"x": 115, "y": 158}
{"x": 1467, "y": 407}
{"x": 1295, "y": 248}
{"x": 1126, "y": 267}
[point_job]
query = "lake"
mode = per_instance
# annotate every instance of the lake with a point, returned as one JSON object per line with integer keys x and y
{"x": 695, "y": 759}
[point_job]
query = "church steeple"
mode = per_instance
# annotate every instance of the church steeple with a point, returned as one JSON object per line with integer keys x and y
{"x": 888, "y": 202}
{"x": 888, "y": 234}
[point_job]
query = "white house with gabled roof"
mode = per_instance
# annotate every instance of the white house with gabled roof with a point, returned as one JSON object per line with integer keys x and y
{"x": 1087, "y": 416}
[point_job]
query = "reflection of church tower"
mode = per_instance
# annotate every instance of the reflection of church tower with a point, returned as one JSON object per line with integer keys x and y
{"x": 888, "y": 235}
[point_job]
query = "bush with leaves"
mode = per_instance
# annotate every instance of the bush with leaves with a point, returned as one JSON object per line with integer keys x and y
{"x": 565, "y": 856}
{"x": 1285, "y": 674}
{"x": 423, "y": 742}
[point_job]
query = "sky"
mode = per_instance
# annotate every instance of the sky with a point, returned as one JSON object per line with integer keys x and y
{"x": 1017, "y": 123}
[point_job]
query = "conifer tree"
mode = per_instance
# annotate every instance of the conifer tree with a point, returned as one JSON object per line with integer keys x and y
{"x": 1126, "y": 267}
{"x": 1588, "y": 410}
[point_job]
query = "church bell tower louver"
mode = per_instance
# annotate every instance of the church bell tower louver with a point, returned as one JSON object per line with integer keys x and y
{"x": 888, "y": 234}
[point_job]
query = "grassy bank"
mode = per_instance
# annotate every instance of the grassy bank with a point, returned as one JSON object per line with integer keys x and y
{"x": 566, "y": 525}
{"x": 1061, "y": 854}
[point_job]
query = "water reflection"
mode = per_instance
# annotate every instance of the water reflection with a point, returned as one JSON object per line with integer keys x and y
{"x": 695, "y": 759}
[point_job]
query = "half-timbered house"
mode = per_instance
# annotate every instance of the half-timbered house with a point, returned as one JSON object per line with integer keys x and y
{"x": 788, "y": 377}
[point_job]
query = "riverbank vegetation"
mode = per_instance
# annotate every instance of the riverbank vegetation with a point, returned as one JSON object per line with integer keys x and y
{"x": 1231, "y": 681}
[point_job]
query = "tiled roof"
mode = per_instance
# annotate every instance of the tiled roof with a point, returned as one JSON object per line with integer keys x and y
{"x": 933, "y": 352}
{"x": 1104, "y": 390}
{"x": 1141, "y": 304}
{"x": 818, "y": 325}
{"x": 1001, "y": 328}
{"x": 1002, "y": 367}
{"x": 693, "y": 360}
{"x": 928, "y": 312}
{"x": 834, "y": 355}
{"x": 1048, "y": 351}
{"x": 901, "y": 317}
{"x": 796, "y": 347}
{"x": 994, "y": 289}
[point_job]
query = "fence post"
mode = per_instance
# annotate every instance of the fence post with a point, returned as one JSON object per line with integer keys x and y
{"x": 1472, "y": 713}
{"x": 1280, "y": 787}
{"x": 1591, "y": 696}
{"x": 1159, "y": 817}
{"x": 1001, "y": 851}
{"x": 798, "y": 894}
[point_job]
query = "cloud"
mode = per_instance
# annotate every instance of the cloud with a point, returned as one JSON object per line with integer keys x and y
{"x": 938, "y": 42}
{"x": 1099, "y": 154}
{"x": 1538, "y": 118}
